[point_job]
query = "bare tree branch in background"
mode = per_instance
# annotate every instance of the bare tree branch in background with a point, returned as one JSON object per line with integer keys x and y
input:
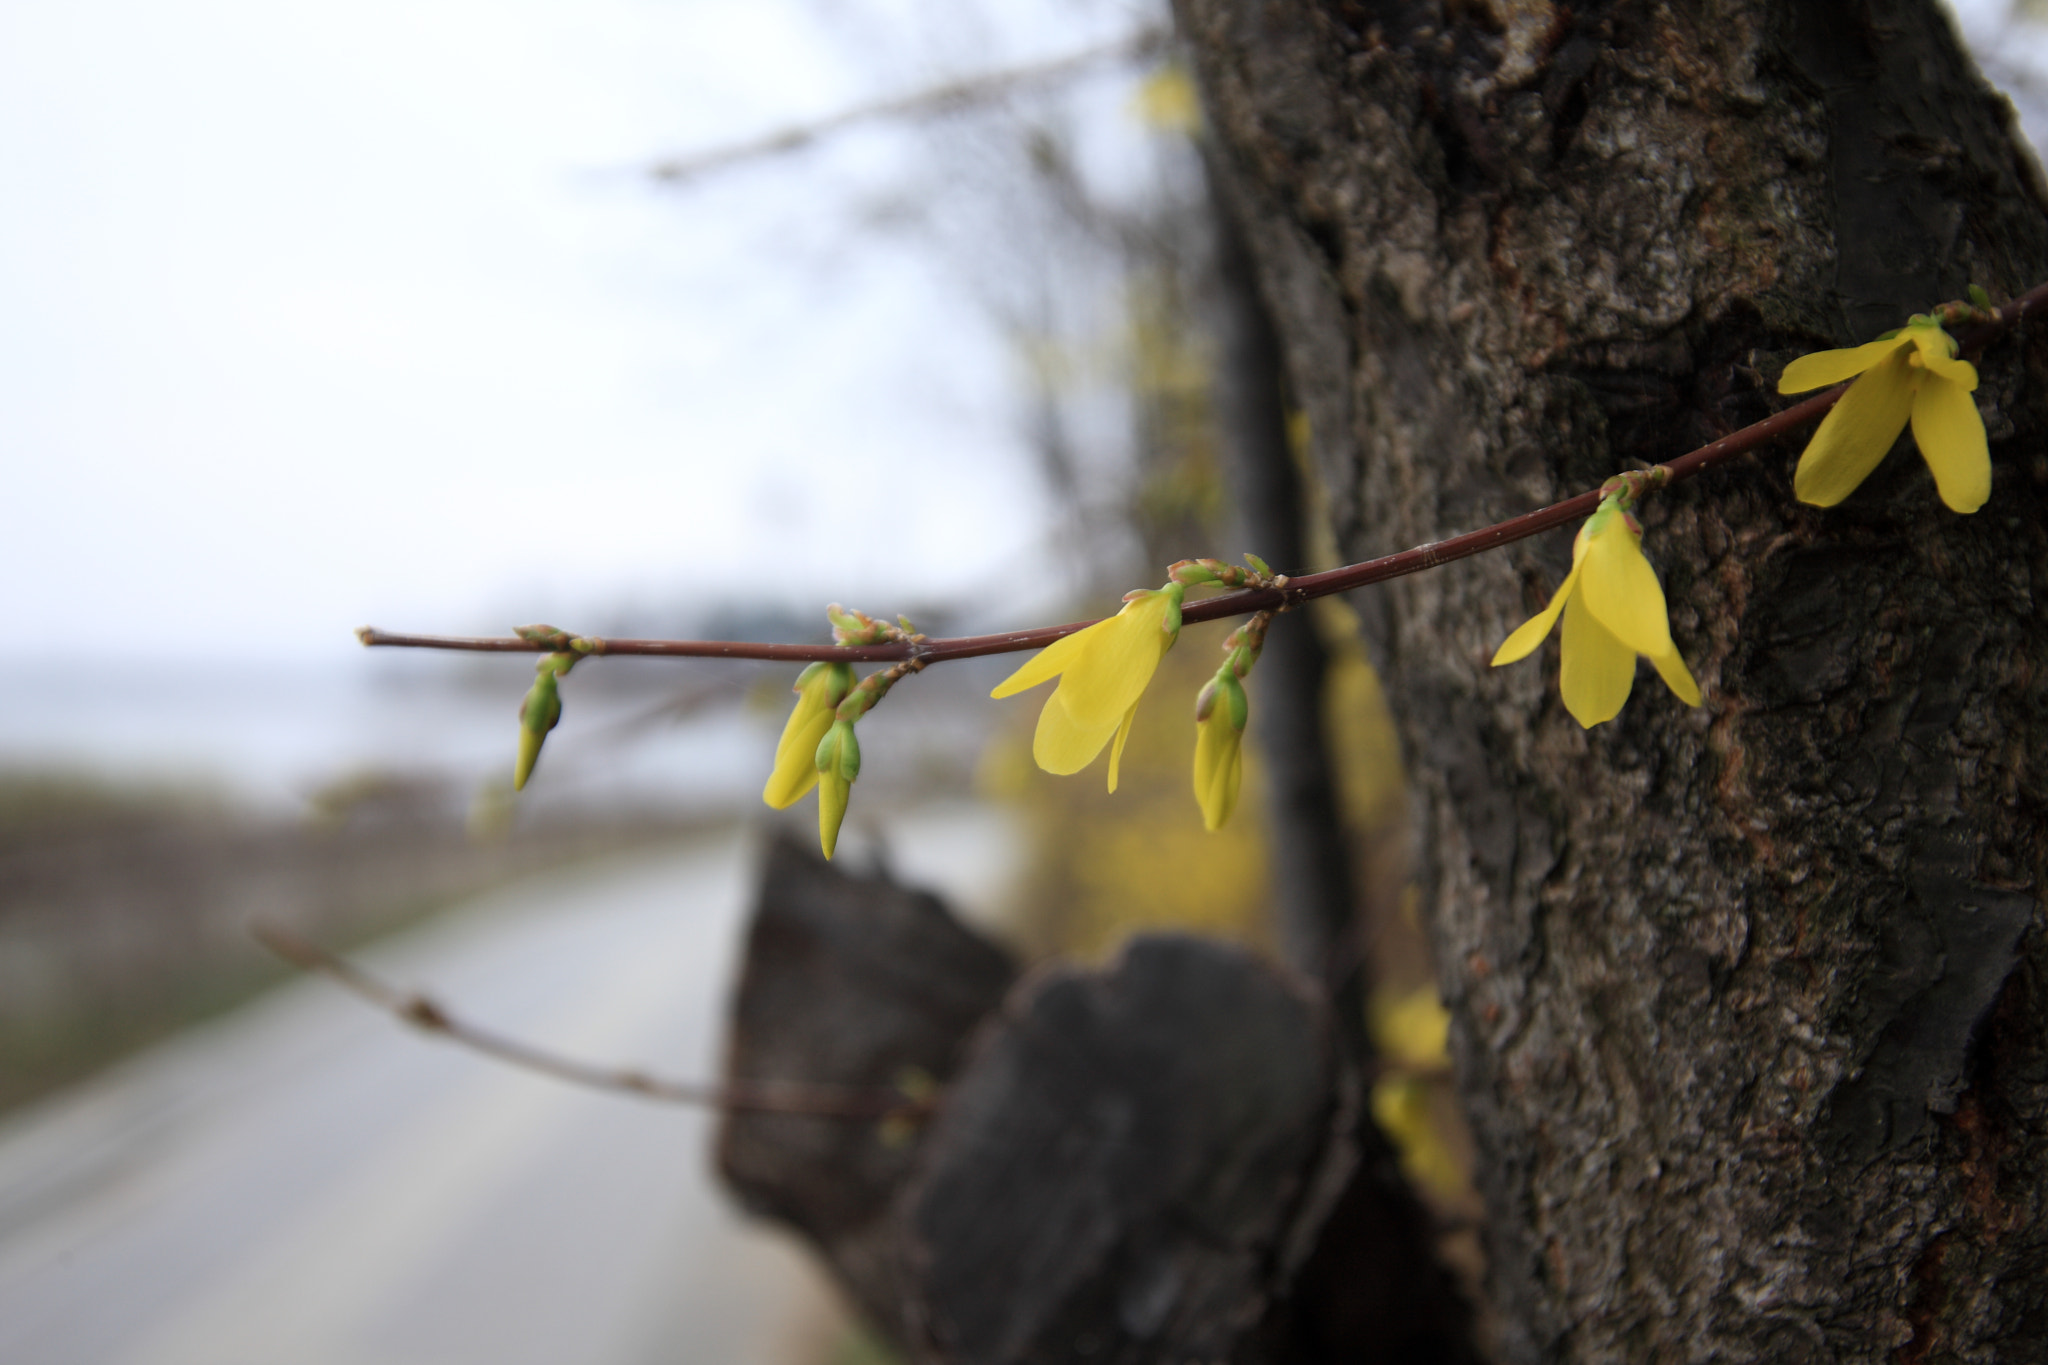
{"x": 734, "y": 1096}
{"x": 946, "y": 98}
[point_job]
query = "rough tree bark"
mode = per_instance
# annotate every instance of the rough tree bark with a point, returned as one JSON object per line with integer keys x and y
{"x": 1748, "y": 1000}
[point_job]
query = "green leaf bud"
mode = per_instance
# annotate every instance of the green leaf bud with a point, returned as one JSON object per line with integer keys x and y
{"x": 538, "y": 714}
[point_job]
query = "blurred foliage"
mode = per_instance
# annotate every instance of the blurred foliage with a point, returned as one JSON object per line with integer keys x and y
{"x": 1415, "y": 1106}
{"x": 122, "y": 905}
{"x": 1177, "y": 500}
{"x": 36, "y": 801}
{"x": 1365, "y": 749}
{"x": 858, "y": 1346}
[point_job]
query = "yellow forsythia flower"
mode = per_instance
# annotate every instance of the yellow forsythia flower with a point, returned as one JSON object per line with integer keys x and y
{"x": 837, "y": 765}
{"x": 1915, "y": 375}
{"x": 1410, "y": 1032}
{"x": 1220, "y": 714}
{"x": 1103, "y": 671}
{"x": 1613, "y": 610}
{"x": 819, "y": 690}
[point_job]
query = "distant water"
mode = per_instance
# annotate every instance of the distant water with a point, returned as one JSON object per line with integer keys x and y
{"x": 270, "y": 736}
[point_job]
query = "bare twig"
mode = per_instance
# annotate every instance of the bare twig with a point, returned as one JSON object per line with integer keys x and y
{"x": 756, "y": 1097}
{"x": 1295, "y": 591}
{"x": 944, "y": 98}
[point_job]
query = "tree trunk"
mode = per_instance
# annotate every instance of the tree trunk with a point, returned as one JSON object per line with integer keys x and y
{"x": 1748, "y": 1000}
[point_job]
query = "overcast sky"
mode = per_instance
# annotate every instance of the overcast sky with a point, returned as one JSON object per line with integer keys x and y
{"x": 317, "y": 313}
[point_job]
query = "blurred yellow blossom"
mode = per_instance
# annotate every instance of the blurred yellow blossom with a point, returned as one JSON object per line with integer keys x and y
{"x": 1401, "y": 1107}
{"x": 1613, "y": 610}
{"x": 1103, "y": 671}
{"x": 1913, "y": 374}
{"x": 1410, "y": 1029}
{"x": 1167, "y": 101}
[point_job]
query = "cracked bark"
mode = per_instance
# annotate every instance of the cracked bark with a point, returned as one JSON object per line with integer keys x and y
{"x": 1747, "y": 1000}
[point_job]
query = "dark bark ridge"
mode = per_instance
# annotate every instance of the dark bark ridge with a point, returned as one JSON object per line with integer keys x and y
{"x": 1720, "y": 978}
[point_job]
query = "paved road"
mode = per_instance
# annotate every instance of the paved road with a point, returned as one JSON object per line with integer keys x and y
{"x": 306, "y": 1183}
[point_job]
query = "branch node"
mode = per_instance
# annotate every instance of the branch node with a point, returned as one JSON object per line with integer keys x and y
{"x": 423, "y": 1013}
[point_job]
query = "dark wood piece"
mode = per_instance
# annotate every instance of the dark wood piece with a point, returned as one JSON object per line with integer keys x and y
{"x": 848, "y": 980}
{"x": 1136, "y": 1164}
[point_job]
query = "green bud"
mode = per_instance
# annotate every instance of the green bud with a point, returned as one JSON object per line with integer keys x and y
{"x": 838, "y": 767}
{"x": 853, "y": 627}
{"x": 1233, "y": 694}
{"x": 838, "y": 684}
{"x": 538, "y": 714}
{"x": 1226, "y": 688}
{"x": 552, "y": 636}
{"x": 839, "y": 751}
{"x": 1258, "y": 564}
{"x": 1979, "y": 296}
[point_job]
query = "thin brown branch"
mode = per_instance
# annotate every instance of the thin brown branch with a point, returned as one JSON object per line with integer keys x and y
{"x": 757, "y": 1097}
{"x": 945, "y": 98}
{"x": 1971, "y": 339}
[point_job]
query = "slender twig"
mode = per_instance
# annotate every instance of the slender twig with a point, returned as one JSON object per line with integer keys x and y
{"x": 754, "y": 1097}
{"x": 1291, "y": 592}
{"x": 945, "y": 98}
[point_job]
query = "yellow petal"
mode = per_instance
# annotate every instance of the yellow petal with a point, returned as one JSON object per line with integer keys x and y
{"x": 1937, "y": 352}
{"x": 819, "y": 691}
{"x": 1855, "y": 435}
{"x": 1045, "y": 665}
{"x": 1950, "y": 434}
{"x": 1823, "y": 368}
{"x": 529, "y": 753}
{"x": 832, "y": 793}
{"x": 1620, "y": 589}
{"x": 1219, "y": 768}
{"x": 1598, "y": 669}
{"x": 1110, "y": 671}
{"x": 1116, "y": 751}
{"x": 788, "y": 783}
{"x": 1233, "y": 782}
{"x": 1530, "y": 633}
{"x": 1671, "y": 668}
{"x": 1063, "y": 745}
{"x": 796, "y": 756}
